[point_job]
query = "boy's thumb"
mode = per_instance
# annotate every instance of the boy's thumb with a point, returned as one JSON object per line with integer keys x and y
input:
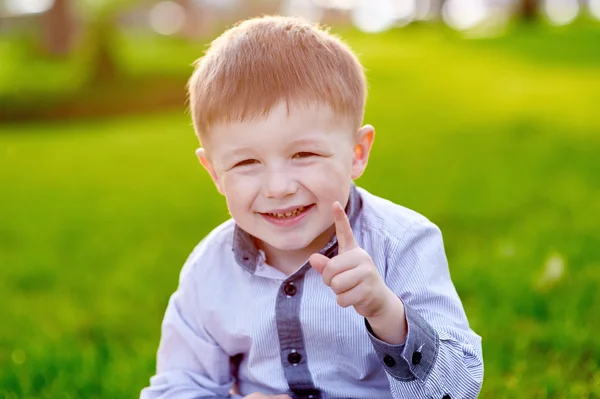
{"x": 318, "y": 262}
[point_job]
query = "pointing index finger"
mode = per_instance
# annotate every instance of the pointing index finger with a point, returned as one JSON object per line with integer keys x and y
{"x": 343, "y": 231}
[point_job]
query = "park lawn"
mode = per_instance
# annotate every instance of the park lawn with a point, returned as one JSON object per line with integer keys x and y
{"x": 493, "y": 140}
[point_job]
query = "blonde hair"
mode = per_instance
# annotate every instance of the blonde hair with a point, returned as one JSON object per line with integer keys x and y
{"x": 259, "y": 62}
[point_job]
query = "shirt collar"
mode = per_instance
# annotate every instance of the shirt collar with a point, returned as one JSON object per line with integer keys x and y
{"x": 247, "y": 255}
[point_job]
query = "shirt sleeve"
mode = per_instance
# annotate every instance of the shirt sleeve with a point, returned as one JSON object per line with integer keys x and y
{"x": 190, "y": 364}
{"x": 441, "y": 356}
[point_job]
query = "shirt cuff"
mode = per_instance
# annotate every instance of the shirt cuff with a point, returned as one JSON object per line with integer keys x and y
{"x": 416, "y": 356}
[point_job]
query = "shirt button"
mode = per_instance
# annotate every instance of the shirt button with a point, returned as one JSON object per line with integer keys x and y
{"x": 289, "y": 289}
{"x": 294, "y": 358}
{"x": 446, "y": 396}
{"x": 416, "y": 357}
{"x": 389, "y": 361}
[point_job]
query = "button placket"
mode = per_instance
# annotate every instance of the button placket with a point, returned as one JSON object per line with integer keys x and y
{"x": 291, "y": 340}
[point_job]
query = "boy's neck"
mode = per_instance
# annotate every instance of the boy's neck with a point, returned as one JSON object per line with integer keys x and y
{"x": 290, "y": 261}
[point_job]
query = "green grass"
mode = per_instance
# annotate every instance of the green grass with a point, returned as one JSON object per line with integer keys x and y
{"x": 494, "y": 142}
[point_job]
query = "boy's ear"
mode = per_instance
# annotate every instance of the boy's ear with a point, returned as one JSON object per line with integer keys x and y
{"x": 204, "y": 161}
{"x": 362, "y": 149}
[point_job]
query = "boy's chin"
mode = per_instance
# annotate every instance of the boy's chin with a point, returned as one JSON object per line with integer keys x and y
{"x": 287, "y": 246}
{"x": 312, "y": 243}
{"x": 288, "y": 243}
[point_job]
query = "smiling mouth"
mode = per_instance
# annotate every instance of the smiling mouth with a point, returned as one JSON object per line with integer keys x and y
{"x": 290, "y": 214}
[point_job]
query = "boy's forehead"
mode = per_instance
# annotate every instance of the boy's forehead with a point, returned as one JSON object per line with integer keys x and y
{"x": 293, "y": 123}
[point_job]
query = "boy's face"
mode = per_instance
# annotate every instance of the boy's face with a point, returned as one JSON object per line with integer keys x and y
{"x": 281, "y": 174}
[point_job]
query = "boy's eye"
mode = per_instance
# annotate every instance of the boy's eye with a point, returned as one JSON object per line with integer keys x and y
{"x": 304, "y": 154}
{"x": 245, "y": 162}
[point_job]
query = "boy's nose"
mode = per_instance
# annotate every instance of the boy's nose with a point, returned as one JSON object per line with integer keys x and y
{"x": 279, "y": 184}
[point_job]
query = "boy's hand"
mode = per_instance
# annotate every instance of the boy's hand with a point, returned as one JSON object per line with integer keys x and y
{"x": 351, "y": 274}
{"x": 258, "y": 395}
{"x": 354, "y": 278}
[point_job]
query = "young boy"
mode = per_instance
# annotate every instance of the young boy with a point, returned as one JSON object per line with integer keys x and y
{"x": 315, "y": 288}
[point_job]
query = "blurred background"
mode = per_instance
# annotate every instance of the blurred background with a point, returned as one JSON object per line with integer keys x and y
{"x": 488, "y": 121}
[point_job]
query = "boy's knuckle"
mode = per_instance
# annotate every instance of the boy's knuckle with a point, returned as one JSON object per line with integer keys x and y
{"x": 336, "y": 284}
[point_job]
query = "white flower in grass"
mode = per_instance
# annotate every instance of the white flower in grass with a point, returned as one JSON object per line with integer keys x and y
{"x": 554, "y": 270}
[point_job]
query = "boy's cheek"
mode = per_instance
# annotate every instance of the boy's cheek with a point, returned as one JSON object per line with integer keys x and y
{"x": 327, "y": 172}
{"x": 234, "y": 185}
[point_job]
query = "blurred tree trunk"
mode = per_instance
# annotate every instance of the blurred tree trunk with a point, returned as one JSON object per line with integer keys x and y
{"x": 104, "y": 66}
{"x": 58, "y": 28}
{"x": 102, "y": 29}
{"x": 528, "y": 9}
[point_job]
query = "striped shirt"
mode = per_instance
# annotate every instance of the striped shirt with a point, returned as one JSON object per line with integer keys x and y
{"x": 235, "y": 320}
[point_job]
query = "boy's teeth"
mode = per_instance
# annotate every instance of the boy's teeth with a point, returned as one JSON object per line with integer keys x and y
{"x": 287, "y": 214}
